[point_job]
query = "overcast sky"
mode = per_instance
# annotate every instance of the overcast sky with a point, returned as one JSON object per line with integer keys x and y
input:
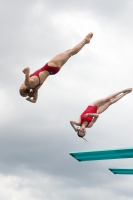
{"x": 35, "y": 139}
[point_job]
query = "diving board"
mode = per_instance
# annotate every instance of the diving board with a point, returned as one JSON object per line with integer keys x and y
{"x": 103, "y": 154}
{"x": 124, "y": 171}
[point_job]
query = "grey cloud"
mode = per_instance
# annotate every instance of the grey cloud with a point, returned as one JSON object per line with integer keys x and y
{"x": 38, "y": 137}
{"x": 111, "y": 8}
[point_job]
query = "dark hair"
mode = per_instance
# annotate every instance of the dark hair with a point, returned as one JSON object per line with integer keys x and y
{"x": 79, "y": 134}
{"x": 82, "y": 136}
{"x": 22, "y": 91}
{"x": 27, "y": 90}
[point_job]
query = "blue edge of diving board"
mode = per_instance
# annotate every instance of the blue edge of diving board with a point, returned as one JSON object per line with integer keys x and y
{"x": 124, "y": 171}
{"x": 103, "y": 154}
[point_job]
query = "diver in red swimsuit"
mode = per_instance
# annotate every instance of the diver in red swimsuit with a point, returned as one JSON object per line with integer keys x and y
{"x": 91, "y": 114}
{"x": 34, "y": 81}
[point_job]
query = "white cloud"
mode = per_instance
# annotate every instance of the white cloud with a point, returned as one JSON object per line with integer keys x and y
{"x": 7, "y": 107}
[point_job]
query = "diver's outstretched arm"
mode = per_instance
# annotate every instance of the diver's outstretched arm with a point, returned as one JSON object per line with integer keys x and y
{"x": 91, "y": 114}
{"x": 92, "y": 122}
{"x": 26, "y": 71}
{"x": 73, "y": 123}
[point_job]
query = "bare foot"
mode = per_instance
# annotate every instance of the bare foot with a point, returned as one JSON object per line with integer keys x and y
{"x": 88, "y": 37}
{"x": 26, "y": 70}
{"x": 128, "y": 90}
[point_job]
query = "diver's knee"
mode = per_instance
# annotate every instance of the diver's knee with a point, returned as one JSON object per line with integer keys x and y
{"x": 70, "y": 52}
{"x": 110, "y": 102}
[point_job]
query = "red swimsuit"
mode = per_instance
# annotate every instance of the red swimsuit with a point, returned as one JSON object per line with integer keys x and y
{"x": 50, "y": 69}
{"x": 89, "y": 109}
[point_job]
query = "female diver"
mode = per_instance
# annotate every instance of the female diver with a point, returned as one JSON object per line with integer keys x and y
{"x": 34, "y": 81}
{"x": 91, "y": 114}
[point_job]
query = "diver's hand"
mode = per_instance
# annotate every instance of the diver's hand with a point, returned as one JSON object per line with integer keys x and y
{"x": 26, "y": 70}
{"x": 31, "y": 100}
